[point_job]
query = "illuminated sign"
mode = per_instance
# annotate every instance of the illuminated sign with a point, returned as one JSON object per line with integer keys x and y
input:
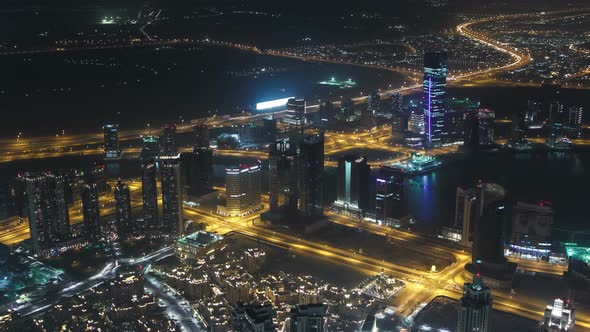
{"x": 272, "y": 104}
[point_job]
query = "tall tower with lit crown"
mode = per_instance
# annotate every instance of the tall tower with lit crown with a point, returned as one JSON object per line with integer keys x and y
{"x": 475, "y": 307}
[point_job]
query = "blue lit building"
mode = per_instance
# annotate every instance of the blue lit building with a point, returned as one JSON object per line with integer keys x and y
{"x": 434, "y": 91}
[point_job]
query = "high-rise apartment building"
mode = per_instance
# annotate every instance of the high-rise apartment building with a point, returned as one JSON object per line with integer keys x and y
{"x": 169, "y": 147}
{"x": 149, "y": 192}
{"x": 44, "y": 200}
{"x": 172, "y": 217}
{"x": 123, "y": 210}
{"x": 92, "y": 227}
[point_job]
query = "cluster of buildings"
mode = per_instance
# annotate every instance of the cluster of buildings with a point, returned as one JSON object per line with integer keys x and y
{"x": 121, "y": 304}
{"x": 493, "y": 226}
{"x": 45, "y": 199}
{"x": 229, "y": 292}
{"x": 230, "y": 288}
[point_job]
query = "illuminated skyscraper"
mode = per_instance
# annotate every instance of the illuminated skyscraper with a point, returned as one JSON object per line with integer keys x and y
{"x": 353, "y": 186}
{"x": 296, "y": 113}
{"x": 434, "y": 91}
{"x": 475, "y": 307}
{"x": 149, "y": 194}
{"x": 201, "y": 136}
{"x": 123, "y": 210}
{"x": 242, "y": 185}
{"x": 91, "y": 229}
{"x": 111, "y": 141}
{"x": 169, "y": 147}
{"x": 171, "y": 195}
{"x": 46, "y": 207}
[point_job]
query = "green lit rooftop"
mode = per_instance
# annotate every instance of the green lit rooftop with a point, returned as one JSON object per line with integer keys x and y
{"x": 578, "y": 252}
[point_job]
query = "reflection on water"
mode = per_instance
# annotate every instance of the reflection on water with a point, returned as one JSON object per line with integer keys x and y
{"x": 557, "y": 177}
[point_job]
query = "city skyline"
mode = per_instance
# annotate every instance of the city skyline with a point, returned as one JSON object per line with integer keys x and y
{"x": 268, "y": 167}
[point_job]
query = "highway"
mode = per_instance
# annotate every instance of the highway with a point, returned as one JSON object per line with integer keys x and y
{"x": 174, "y": 307}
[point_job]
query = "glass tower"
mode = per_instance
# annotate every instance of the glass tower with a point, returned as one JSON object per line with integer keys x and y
{"x": 434, "y": 90}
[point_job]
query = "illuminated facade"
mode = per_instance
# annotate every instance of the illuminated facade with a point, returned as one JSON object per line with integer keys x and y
{"x": 171, "y": 195}
{"x": 111, "y": 141}
{"x": 295, "y": 114}
{"x": 434, "y": 91}
{"x": 561, "y": 316}
{"x": 243, "y": 188}
{"x": 353, "y": 186}
{"x": 416, "y": 123}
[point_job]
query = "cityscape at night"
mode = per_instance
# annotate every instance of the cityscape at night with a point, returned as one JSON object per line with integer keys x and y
{"x": 258, "y": 166}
